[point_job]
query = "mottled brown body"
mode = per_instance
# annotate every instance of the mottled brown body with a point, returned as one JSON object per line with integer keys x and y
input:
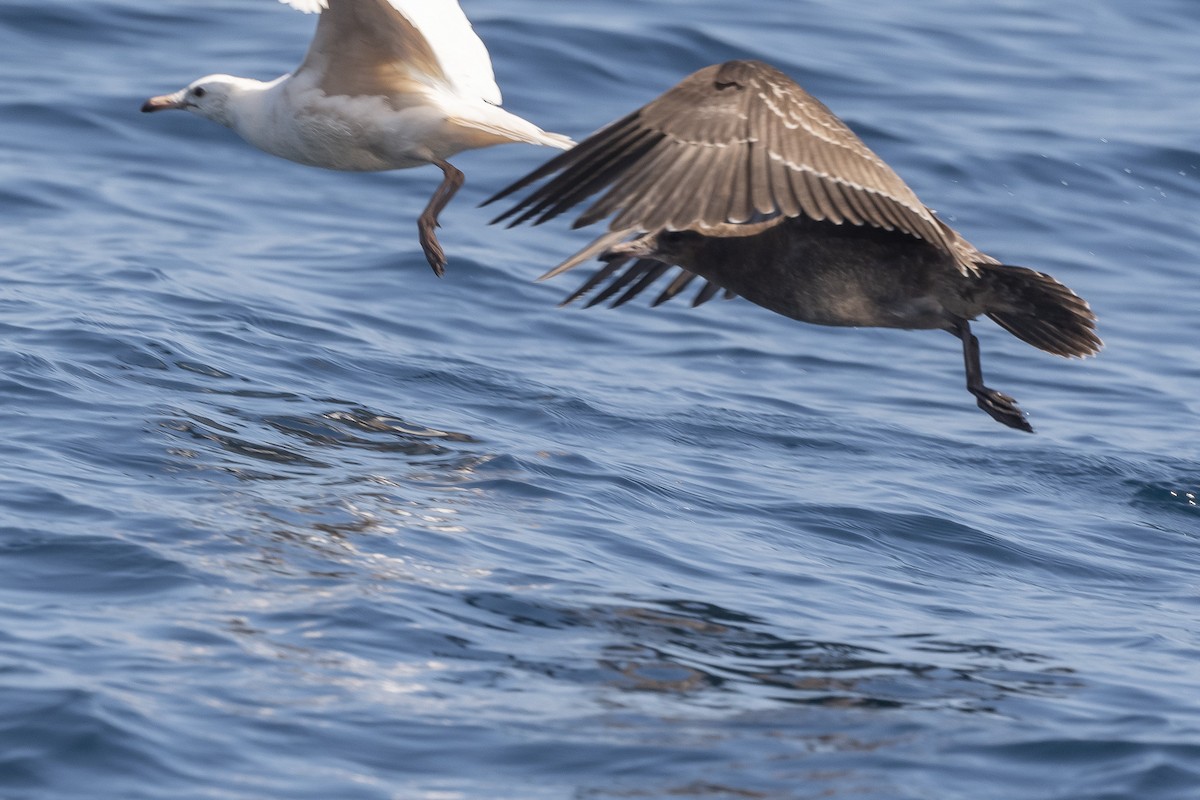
{"x": 741, "y": 178}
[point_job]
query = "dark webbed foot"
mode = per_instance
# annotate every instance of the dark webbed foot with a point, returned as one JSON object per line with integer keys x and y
{"x": 1001, "y": 408}
{"x": 452, "y": 181}
{"x": 998, "y": 405}
{"x": 429, "y": 243}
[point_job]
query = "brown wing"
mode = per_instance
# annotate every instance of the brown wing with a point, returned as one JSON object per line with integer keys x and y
{"x": 732, "y": 143}
{"x": 368, "y": 47}
{"x": 647, "y": 271}
{"x": 636, "y": 277}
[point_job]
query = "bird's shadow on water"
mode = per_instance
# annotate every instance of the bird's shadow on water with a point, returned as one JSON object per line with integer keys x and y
{"x": 706, "y": 655}
{"x": 319, "y": 446}
{"x": 410, "y": 534}
{"x": 306, "y": 487}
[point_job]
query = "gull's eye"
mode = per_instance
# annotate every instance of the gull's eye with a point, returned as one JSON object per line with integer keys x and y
{"x": 198, "y": 91}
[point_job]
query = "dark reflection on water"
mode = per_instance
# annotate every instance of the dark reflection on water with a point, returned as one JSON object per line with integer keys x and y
{"x": 691, "y": 648}
{"x": 351, "y": 428}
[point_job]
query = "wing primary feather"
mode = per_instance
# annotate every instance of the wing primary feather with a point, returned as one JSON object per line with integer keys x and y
{"x": 893, "y": 215}
{"x": 713, "y": 192}
{"x": 675, "y": 287}
{"x": 670, "y": 202}
{"x": 605, "y": 174}
{"x": 652, "y": 167}
{"x": 568, "y": 157}
{"x": 581, "y": 179}
{"x": 658, "y": 194}
{"x": 652, "y": 274}
{"x": 763, "y": 196}
{"x": 877, "y": 217}
{"x": 594, "y": 249}
{"x": 830, "y": 192}
{"x": 706, "y": 293}
{"x": 741, "y": 199}
{"x": 598, "y": 278}
{"x": 590, "y": 151}
{"x": 560, "y": 162}
{"x": 635, "y": 270}
{"x": 818, "y": 185}
{"x": 928, "y": 231}
{"x": 736, "y": 206}
{"x": 838, "y": 193}
{"x": 785, "y": 165}
{"x": 804, "y": 185}
{"x": 856, "y": 197}
{"x": 787, "y": 188}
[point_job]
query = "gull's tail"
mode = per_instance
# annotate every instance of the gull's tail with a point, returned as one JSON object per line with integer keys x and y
{"x": 1039, "y": 310}
{"x": 507, "y": 127}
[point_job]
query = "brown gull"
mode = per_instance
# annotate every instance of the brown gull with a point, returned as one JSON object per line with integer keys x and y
{"x": 386, "y": 84}
{"x": 740, "y": 177}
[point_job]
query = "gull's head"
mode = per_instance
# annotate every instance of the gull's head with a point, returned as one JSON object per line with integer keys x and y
{"x": 210, "y": 97}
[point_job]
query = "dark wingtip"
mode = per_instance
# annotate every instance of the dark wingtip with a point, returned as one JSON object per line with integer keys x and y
{"x": 550, "y": 167}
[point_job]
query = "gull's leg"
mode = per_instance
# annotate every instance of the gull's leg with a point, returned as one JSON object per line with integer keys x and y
{"x": 452, "y": 181}
{"x": 998, "y": 405}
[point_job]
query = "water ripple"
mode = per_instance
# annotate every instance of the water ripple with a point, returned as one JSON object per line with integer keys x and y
{"x": 283, "y": 515}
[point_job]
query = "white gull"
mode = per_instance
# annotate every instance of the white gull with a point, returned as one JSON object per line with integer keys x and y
{"x": 386, "y": 84}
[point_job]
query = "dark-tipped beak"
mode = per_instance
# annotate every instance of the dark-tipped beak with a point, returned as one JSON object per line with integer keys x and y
{"x": 163, "y": 102}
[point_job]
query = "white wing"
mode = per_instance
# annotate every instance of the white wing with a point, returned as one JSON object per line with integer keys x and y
{"x": 461, "y": 55}
{"x": 307, "y": 6}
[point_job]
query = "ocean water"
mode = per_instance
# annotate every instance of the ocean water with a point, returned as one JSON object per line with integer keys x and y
{"x": 282, "y": 515}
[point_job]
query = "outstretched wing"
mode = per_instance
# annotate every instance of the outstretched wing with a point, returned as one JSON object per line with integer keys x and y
{"x": 637, "y": 276}
{"x": 391, "y": 47}
{"x": 732, "y": 143}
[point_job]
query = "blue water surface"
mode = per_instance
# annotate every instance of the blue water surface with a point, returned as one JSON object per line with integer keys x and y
{"x": 282, "y": 515}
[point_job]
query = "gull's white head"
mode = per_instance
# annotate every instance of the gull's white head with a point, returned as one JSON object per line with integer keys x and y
{"x": 211, "y": 97}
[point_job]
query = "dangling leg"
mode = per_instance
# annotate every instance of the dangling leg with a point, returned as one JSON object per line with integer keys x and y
{"x": 452, "y": 181}
{"x": 998, "y": 405}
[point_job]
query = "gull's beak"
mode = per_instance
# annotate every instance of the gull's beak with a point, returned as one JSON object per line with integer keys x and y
{"x": 164, "y": 101}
